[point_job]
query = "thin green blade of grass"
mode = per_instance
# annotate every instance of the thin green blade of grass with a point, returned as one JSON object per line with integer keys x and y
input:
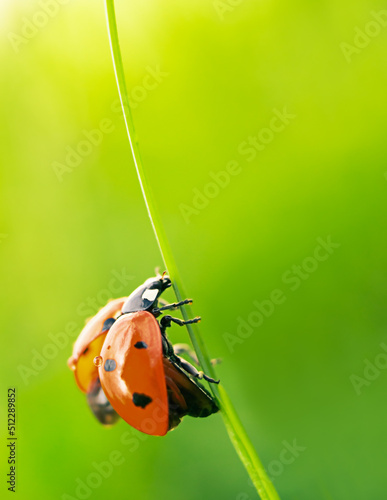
{"x": 234, "y": 426}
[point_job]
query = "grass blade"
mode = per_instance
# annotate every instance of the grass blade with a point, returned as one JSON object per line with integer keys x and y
{"x": 235, "y": 429}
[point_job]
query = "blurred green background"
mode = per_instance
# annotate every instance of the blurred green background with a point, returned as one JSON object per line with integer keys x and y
{"x": 69, "y": 225}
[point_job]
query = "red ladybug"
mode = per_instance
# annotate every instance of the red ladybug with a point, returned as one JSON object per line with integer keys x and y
{"x": 125, "y": 363}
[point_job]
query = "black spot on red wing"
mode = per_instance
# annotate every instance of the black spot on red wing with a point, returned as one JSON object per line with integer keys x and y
{"x": 110, "y": 365}
{"x": 140, "y": 345}
{"x": 85, "y": 351}
{"x": 141, "y": 400}
{"x": 108, "y": 323}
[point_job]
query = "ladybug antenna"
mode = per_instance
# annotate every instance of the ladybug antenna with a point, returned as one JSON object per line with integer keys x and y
{"x": 164, "y": 273}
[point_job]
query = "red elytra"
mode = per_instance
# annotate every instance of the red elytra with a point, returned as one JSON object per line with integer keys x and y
{"x": 133, "y": 378}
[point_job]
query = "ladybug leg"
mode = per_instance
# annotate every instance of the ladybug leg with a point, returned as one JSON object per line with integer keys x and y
{"x": 167, "y": 346}
{"x": 166, "y": 322}
{"x": 185, "y": 349}
{"x": 194, "y": 372}
{"x": 167, "y": 306}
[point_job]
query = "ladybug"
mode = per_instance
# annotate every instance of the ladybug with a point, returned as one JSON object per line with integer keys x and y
{"x": 128, "y": 368}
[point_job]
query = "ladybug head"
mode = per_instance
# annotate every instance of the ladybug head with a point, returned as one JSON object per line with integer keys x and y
{"x": 146, "y": 295}
{"x": 159, "y": 283}
{"x": 165, "y": 281}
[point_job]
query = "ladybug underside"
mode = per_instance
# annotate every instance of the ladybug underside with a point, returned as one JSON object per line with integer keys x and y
{"x": 185, "y": 396}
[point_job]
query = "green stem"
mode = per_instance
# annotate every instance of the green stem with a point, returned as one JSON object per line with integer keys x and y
{"x": 234, "y": 427}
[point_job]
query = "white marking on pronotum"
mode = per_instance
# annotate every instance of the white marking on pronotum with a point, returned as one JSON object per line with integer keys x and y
{"x": 150, "y": 295}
